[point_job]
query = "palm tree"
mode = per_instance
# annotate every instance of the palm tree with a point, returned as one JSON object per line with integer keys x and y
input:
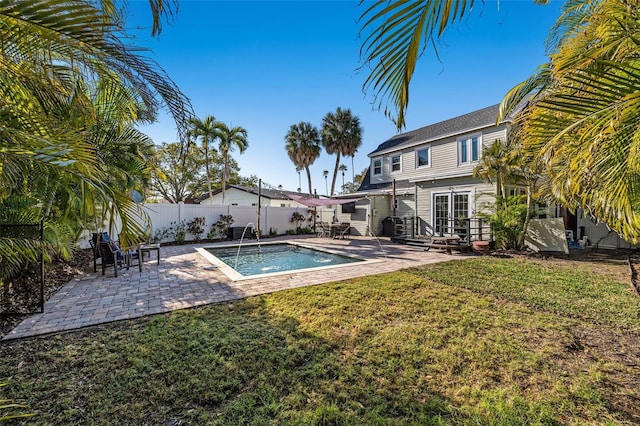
{"x": 325, "y": 173}
{"x": 299, "y": 179}
{"x": 341, "y": 135}
{"x": 72, "y": 94}
{"x": 399, "y": 32}
{"x": 303, "y": 147}
{"x": 207, "y": 131}
{"x": 497, "y": 163}
{"x": 584, "y": 110}
{"x": 343, "y": 169}
{"x": 230, "y": 138}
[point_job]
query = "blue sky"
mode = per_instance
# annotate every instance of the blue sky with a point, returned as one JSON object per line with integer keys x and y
{"x": 266, "y": 65}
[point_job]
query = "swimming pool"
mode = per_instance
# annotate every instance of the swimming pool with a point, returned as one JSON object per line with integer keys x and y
{"x": 271, "y": 258}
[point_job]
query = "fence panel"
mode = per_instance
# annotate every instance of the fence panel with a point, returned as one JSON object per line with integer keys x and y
{"x": 278, "y": 219}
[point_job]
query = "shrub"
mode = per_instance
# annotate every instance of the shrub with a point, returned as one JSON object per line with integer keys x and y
{"x": 161, "y": 234}
{"x": 195, "y": 227}
{"x": 180, "y": 232}
{"x": 507, "y": 223}
{"x": 297, "y": 218}
{"x": 220, "y": 227}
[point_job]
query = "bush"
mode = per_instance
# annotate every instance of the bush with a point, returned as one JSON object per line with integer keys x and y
{"x": 162, "y": 234}
{"x": 195, "y": 227}
{"x": 220, "y": 227}
{"x": 180, "y": 232}
{"x": 507, "y": 222}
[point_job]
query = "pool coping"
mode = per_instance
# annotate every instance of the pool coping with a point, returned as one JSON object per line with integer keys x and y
{"x": 234, "y": 275}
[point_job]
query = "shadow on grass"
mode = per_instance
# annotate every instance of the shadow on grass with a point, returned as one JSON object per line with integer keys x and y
{"x": 230, "y": 364}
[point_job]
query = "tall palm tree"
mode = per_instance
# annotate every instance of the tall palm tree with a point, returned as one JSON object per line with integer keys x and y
{"x": 230, "y": 138}
{"x": 302, "y": 143}
{"x": 325, "y": 173}
{"x": 207, "y": 131}
{"x": 341, "y": 135}
{"x": 343, "y": 169}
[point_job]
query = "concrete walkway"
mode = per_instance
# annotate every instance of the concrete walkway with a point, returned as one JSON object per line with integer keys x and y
{"x": 185, "y": 279}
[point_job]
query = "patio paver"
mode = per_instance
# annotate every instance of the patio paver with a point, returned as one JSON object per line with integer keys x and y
{"x": 185, "y": 279}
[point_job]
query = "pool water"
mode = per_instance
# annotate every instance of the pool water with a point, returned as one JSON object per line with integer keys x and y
{"x": 271, "y": 258}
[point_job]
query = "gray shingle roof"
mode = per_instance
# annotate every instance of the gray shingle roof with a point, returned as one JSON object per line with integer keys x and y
{"x": 481, "y": 118}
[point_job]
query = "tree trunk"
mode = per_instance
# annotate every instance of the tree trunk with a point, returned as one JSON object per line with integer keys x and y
{"x": 335, "y": 174}
{"x": 224, "y": 180}
{"x": 309, "y": 179}
{"x": 527, "y": 217}
{"x": 206, "y": 163}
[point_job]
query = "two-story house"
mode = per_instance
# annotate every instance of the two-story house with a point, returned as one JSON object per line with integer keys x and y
{"x": 427, "y": 173}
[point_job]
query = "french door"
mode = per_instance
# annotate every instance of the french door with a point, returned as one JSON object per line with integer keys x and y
{"x": 449, "y": 211}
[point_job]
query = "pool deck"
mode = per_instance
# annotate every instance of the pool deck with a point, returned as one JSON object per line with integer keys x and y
{"x": 185, "y": 279}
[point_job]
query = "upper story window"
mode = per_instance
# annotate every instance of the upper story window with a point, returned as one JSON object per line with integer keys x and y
{"x": 377, "y": 166}
{"x": 423, "y": 157}
{"x": 396, "y": 163}
{"x": 468, "y": 150}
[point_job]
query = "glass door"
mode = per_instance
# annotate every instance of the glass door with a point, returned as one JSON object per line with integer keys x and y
{"x": 450, "y": 212}
{"x": 441, "y": 213}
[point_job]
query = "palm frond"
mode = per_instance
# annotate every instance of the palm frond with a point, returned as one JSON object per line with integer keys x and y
{"x": 398, "y": 33}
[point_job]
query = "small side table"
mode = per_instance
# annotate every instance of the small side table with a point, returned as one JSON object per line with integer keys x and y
{"x": 148, "y": 248}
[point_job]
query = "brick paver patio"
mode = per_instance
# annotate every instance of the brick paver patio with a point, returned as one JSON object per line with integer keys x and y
{"x": 185, "y": 279}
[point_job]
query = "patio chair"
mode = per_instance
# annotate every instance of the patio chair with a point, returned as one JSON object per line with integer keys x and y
{"x": 323, "y": 229}
{"x": 111, "y": 255}
{"x": 96, "y": 252}
{"x": 94, "y": 242}
{"x": 343, "y": 230}
{"x": 135, "y": 257}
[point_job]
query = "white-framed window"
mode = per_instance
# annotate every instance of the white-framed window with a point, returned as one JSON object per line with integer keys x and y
{"x": 377, "y": 166}
{"x": 423, "y": 157}
{"x": 469, "y": 149}
{"x": 396, "y": 163}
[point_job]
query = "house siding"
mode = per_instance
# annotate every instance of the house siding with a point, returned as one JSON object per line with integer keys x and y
{"x": 481, "y": 193}
{"x": 443, "y": 157}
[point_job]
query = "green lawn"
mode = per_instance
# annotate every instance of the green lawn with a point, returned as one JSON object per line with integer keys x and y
{"x": 482, "y": 341}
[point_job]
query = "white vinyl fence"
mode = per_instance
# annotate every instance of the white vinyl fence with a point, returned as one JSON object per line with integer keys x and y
{"x": 272, "y": 219}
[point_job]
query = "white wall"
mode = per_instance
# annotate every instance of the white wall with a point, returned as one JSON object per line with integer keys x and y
{"x": 277, "y": 218}
{"x": 244, "y": 198}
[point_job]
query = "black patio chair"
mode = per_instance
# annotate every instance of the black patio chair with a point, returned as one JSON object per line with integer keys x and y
{"x": 111, "y": 255}
{"x": 96, "y": 251}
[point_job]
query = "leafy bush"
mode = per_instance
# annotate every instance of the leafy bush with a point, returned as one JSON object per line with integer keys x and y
{"x": 297, "y": 218}
{"x": 161, "y": 234}
{"x": 508, "y": 222}
{"x": 220, "y": 227}
{"x": 180, "y": 232}
{"x": 195, "y": 227}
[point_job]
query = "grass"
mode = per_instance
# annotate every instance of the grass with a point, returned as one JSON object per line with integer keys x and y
{"x": 477, "y": 342}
